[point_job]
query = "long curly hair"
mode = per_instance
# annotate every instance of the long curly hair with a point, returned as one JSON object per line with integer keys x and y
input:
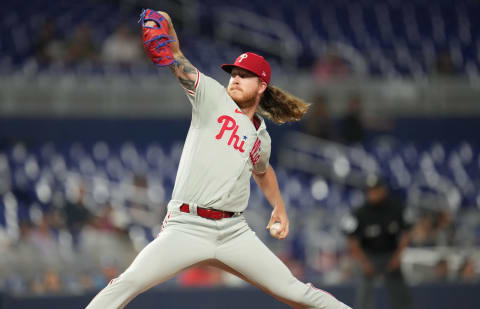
{"x": 280, "y": 106}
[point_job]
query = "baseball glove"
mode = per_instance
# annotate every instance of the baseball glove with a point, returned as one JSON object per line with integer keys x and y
{"x": 156, "y": 39}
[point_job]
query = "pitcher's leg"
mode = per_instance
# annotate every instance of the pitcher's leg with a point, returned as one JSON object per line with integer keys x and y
{"x": 247, "y": 255}
{"x": 171, "y": 252}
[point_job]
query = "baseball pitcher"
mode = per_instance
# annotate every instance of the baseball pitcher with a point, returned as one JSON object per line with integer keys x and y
{"x": 227, "y": 143}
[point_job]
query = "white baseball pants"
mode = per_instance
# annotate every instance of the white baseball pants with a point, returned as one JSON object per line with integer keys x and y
{"x": 229, "y": 243}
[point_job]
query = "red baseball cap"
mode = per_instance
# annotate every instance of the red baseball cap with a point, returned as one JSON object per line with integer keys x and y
{"x": 253, "y": 63}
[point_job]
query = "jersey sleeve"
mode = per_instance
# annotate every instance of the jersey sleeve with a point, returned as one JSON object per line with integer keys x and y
{"x": 191, "y": 93}
{"x": 349, "y": 224}
{"x": 265, "y": 150}
{"x": 407, "y": 217}
{"x": 206, "y": 91}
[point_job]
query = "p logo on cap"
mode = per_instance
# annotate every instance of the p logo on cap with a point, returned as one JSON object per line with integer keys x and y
{"x": 242, "y": 56}
{"x": 253, "y": 63}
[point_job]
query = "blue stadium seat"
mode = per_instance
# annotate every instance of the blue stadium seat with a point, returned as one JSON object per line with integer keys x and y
{"x": 40, "y": 174}
{"x": 393, "y": 38}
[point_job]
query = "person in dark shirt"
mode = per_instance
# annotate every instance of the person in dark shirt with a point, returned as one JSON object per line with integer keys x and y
{"x": 377, "y": 235}
{"x": 318, "y": 123}
{"x": 353, "y": 129}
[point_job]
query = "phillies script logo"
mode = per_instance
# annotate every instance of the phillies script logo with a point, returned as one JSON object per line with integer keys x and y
{"x": 229, "y": 124}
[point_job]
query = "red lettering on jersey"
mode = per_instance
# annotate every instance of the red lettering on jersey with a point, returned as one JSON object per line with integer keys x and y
{"x": 229, "y": 124}
{"x": 255, "y": 152}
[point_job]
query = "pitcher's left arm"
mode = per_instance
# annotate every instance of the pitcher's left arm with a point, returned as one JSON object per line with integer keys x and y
{"x": 269, "y": 185}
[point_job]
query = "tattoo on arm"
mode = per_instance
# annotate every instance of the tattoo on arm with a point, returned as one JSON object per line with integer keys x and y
{"x": 185, "y": 72}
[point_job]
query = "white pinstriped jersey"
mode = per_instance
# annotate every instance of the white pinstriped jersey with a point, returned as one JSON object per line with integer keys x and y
{"x": 221, "y": 150}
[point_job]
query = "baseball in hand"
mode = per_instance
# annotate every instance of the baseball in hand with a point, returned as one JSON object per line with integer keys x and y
{"x": 275, "y": 229}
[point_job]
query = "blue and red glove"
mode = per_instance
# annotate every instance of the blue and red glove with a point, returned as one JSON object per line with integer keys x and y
{"x": 156, "y": 39}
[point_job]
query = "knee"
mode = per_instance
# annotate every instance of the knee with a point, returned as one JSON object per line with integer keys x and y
{"x": 129, "y": 281}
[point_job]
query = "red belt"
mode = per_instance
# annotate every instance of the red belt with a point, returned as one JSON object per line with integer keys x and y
{"x": 208, "y": 213}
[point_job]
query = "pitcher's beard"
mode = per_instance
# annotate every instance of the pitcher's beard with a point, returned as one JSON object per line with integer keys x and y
{"x": 245, "y": 102}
